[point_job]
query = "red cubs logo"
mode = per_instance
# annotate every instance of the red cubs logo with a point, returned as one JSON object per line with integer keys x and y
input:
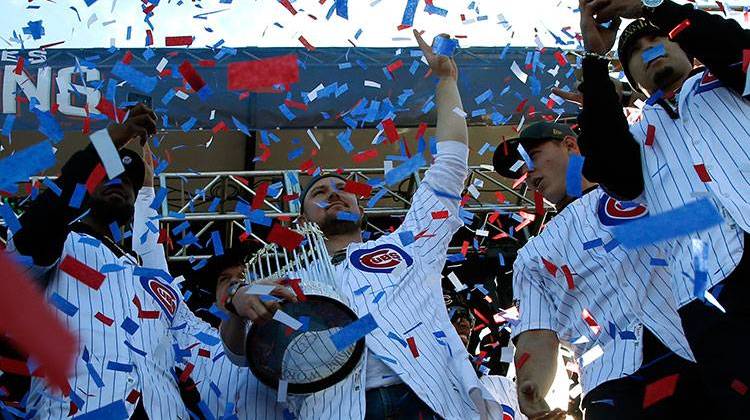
{"x": 163, "y": 294}
{"x": 707, "y": 82}
{"x": 381, "y": 259}
{"x": 612, "y": 212}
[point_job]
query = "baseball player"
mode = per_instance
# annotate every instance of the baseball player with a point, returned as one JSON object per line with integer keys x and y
{"x": 692, "y": 142}
{"x": 125, "y": 312}
{"x": 575, "y": 285}
{"x": 432, "y": 376}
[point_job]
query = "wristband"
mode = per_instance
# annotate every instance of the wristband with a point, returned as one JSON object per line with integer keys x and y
{"x": 231, "y": 292}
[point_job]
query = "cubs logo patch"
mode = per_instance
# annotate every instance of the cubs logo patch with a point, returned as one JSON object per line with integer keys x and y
{"x": 707, "y": 82}
{"x": 612, "y": 212}
{"x": 381, "y": 259}
{"x": 167, "y": 298}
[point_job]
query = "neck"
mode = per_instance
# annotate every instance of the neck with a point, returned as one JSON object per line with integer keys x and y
{"x": 585, "y": 185}
{"x": 674, "y": 86}
{"x": 338, "y": 242}
{"x": 99, "y": 227}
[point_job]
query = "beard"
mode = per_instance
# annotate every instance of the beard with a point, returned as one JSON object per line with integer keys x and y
{"x": 331, "y": 226}
{"x": 665, "y": 77}
{"x": 105, "y": 212}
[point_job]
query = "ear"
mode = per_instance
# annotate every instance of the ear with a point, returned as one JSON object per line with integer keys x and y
{"x": 570, "y": 144}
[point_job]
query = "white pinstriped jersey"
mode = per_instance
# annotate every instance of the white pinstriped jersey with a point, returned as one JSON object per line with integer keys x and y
{"x": 128, "y": 353}
{"x": 575, "y": 265}
{"x": 400, "y": 286}
{"x": 504, "y": 391}
{"x": 712, "y": 131}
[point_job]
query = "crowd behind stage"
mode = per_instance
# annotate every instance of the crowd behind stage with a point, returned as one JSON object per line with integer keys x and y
{"x": 637, "y": 278}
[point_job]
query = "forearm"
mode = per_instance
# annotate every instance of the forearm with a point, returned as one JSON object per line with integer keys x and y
{"x": 723, "y": 58}
{"x": 539, "y": 349}
{"x": 450, "y": 125}
{"x": 233, "y": 333}
{"x": 613, "y": 157}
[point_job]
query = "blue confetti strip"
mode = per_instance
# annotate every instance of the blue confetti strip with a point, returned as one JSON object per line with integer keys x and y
{"x": 24, "y": 164}
{"x": 406, "y": 237}
{"x": 444, "y": 46}
{"x": 353, "y": 332}
{"x": 129, "y": 326}
{"x": 694, "y": 217}
{"x": 653, "y": 53}
{"x": 137, "y": 79}
{"x": 393, "y": 336}
{"x": 216, "y": 242}
{"x": 113, "y": 411}
{"x": 659, "y": 262}
{"x": 342, "y": 9}
{"x": 411, "y": 7}
{"x": 347, "y": 216}
{"x": 8, "y": 124}
{"x": 63, "y": 305}
{"x": 119, "y": 367}
{"x": 76, "y": 199}
{"x": 593, "y": 243}
{"x": 207, "y": 339}
{"x": 574, "y": 176}
{"x": 11, "y": 221}
{"x": 159, "y": 198}
{"x": 404, "y": 170}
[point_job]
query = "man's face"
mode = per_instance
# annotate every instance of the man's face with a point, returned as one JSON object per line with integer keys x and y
{"x": 662, "y": 72}
{"x": 463, "y": 326}
{"x": 113, "y": 200}
{"x": 227, "y": 277}
{"x": 325, "y": 200}
{"x": 550, "y": 167}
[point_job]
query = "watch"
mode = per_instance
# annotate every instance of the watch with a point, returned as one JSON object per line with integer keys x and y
{"x": 652, "y": 4}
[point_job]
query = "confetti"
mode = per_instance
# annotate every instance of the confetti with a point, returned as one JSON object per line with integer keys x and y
{"x": 660, "y": 389}
{"x": 653, "y": 53}
{"x": 679, "y": 28}
{"x": 350, "y": 334}
{"x": 694, "y": 217}
{"x": 444, "y": 46}
{"x": 113, "y": 411}
{"x": 108, "y": 154}
{"x": 284, "y": 237}
{"x": 63, "y": 305}
{"x": 287, "y": 320}
{"x": 24, "y": 164}
{"x": 574, "y": 176}
{"x": 81, "y": 272}
{"x": 255, "y": 75}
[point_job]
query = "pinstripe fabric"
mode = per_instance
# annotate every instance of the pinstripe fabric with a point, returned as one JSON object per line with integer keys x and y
{"x": 408, "y": 303}
{"x": 615, "y": 286}
{"x": 711, "y": 132}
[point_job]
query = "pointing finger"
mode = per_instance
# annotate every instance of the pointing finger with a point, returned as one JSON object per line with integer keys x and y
{"x": 426, "y": 49}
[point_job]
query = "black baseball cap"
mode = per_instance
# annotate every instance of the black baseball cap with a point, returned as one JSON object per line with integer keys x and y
{"x": 315, "y": 180}
{"x": 506, "y": 154}
{"x": 636, "y": 30}
{"x": 207, "y": 276}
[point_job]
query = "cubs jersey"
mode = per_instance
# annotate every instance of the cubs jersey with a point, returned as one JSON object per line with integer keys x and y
{"x": 706, "y": 152}
{"x": 576, "y": 280}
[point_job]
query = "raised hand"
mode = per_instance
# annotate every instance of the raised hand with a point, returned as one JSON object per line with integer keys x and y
{"x": 530, "y": 400}
{"x": 596, "y": 38}
{"x": 440, "y": 65}
{"x": 607, "y": 10}
{"x": 140, "y": 124}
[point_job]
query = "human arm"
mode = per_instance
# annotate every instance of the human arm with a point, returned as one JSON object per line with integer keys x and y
{"x": 145, "y": 221}
{"x": 723, "y": 58}
{"x": 613, "y": 157}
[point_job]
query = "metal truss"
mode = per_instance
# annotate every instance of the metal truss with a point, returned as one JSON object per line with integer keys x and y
{"x": 191, "y": 195}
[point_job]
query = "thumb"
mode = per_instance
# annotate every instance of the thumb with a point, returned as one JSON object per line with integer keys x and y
{"x": 528, "y": 389}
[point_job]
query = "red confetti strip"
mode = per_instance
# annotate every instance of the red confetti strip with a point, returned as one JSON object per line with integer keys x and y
{"x": 294, "y": 284}
{"x": 284, "y": 237}
{"x": 127, "y": 58}
{"x": 107, "y": 108}
{"x": 358, "y": 188}
{"x": 149, "y": 38}
{"x": 294, "y": 104}
{"x": 186, "y": 373}
{"x": 204, "y": 353}
{"x": 702, "y": 172}
{"x": 207, "y": 63}
{"x": 260, "y": 194}
{"x": 304, "y": 42}
{"x": 745, "y": 60}
{"x": 26, "y": 316}
{"x": 289, "y": 6}
{"x": 19, "y": 66}
{"x": 82, "y": 272}
{"x": 104, "y": 319}
{"x": 144, "y": 314}
{"x": 220, "y": 126}
{"x": 437, "y": 215}
{"x": 465, "y": 248}
{"x": 290, "y": 197}
{"x": 257, "y": 74}
{"x": 519, "y": 181}
{"x": 395, "y": 66}
{"x": 522, "y": 361}
{"x": 660, "y": 389}
{"x": 739, "y": 387}
{"x": 133, "y": 397}
{"x": 178, "y": 41}
{"x": 551, "y": 268}
{"x": 95, "y": 178}
{"x": 568, "y": 277}
{"x": 365, "y": 155}
{"x": 538, "y": 203}
{"x": 390, "y": 130}
{"x": 595, "y": 328}
{"x": 413, "y": 347}
{"x": 650, "y": 135}
{"x": 192, "y": 77}
{"x": 679, "y": 28}
{"x": 420, "y": 131}
{"x": 560, "y": 59}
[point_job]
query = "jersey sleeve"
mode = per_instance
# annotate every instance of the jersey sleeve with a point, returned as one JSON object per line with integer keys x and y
{"x": 146, "y": 232}
{"x": 434, "y": 214}
{"x": 536, "y": 306}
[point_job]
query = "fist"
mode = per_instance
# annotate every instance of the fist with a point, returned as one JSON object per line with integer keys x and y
{"x": 139, "y": 124}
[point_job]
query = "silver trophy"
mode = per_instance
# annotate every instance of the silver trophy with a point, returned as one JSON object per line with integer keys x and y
{"x": 305, "y": 359}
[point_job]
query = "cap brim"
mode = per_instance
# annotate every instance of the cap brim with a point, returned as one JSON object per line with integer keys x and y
{"x": 503, "y": 162}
